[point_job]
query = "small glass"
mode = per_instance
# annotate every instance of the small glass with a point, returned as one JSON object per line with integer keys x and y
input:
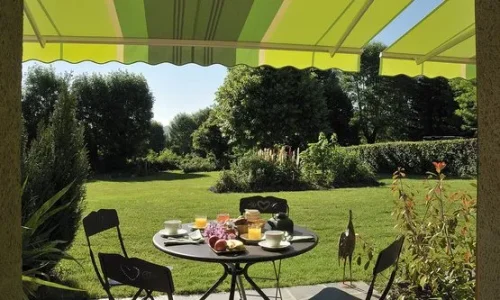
{"x": 254, "y": 232}
{"x": 200, "y": 221}
{"x": 222, "y": 217}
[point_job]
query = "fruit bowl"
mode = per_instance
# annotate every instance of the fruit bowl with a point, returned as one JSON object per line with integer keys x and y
{"x": 222, "y": 246}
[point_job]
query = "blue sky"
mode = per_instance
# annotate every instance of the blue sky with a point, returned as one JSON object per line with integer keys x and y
{"x": 191, "y": 87}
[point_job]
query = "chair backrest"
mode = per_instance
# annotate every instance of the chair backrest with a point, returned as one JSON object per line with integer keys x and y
{"x": 266, "y": 205}
{"x": 137, "y": 272}
{"x": 97, "y": 222}
{"x": 386, "y": 258}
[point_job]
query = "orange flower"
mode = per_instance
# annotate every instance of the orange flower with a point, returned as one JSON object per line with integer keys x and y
{"x": 464, "y": 231}
{"x": 467, "y": 256}
{"x": 439, "y": 166}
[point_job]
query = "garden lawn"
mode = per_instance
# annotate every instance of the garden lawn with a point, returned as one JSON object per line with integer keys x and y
{"x": 144, "y": 203}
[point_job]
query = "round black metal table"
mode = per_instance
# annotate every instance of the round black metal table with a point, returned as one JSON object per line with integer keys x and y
{"x": 232, "y": 262}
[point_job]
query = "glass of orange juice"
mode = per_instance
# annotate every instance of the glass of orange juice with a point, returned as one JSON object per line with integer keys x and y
{"x": 222, "y": 217}
{"x": 254, "y": 231}
{"x": 200, "y": 221}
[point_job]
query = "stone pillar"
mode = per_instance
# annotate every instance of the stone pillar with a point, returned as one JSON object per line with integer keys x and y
{"x": 488, "y": 95}
{"x": 11, "y": 25}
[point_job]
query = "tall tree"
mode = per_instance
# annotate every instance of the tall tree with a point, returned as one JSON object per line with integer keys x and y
{"x": 201, "y": 116}
{"x": 208, "y": 139}
{"x": 433, "y": 109}
{"x": 340, "y": 109}
{"x": 40, "y": 92}
{"x": 265, "y": 106}
{"x": 466, "y": 96}
{"x": 92, "y": 94}
{"x": 370, "y": 94}
{"x": 157, "y": 137}
{"x": 130, "y": 112}
{"x": 181, "y": 128}
{"x": 56, "y": 158}
{"x": 116, "y": 110}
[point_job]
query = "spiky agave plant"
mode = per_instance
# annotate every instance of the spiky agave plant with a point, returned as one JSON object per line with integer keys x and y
{"x": 39, "y": 251}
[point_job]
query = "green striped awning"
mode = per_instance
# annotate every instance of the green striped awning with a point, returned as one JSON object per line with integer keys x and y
{"x": 300, "y": 33}
{"x": 442, "y": 44}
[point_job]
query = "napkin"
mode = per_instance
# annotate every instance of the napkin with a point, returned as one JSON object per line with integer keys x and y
{"x": 302, "y": 238}
{"x": 182, "y": 241}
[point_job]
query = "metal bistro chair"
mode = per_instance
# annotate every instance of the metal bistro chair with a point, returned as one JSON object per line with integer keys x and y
{"x": 386, "y": 258}
{"x": 267, "y": 205}
{"x": 118, "y": 269}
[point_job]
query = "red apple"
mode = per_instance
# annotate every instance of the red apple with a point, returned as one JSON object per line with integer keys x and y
{"x": 212, "y": 240}
{"x": 220, "y": 245}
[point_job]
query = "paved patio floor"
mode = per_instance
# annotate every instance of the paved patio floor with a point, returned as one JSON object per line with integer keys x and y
{"x": 329, "y": 291}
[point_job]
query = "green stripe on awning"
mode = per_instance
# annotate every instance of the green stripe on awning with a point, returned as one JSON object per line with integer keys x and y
{"x": 132, "y": 17}
{"x": 259, "y": 18}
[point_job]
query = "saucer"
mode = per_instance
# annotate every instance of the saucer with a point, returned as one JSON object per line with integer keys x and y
{"x": 281, "y": 246}
{"x": 244, "y": 237}
{"x": 192, "y": 227}
{"x": 180, "y": 232}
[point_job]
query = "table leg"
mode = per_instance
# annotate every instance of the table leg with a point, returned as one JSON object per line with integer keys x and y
{"x": 233, "y": 284}
{"x": 236, "y": 271}
{"x": 241, "y": 288}
{"x": 252, "y": 283}
{"x": 277, "y": 273}
{"x": 221, "y": 279}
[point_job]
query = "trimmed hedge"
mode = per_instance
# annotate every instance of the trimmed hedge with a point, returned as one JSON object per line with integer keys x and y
{"x": 416, "y": 157}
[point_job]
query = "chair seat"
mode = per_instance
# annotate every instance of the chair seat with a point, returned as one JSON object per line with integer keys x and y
{"x": 113, "y": 282}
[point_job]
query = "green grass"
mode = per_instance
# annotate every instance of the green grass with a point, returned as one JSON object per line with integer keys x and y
{"x": 144, "y": 203}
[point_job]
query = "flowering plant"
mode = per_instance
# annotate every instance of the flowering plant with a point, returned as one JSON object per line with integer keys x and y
{"x": 280, "y": 155}
{"x": 440, "y": 255}
{"x": 218, "y": 230}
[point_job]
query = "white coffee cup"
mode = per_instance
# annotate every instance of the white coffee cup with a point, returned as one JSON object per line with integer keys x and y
{"x": 274, "y": 238}
{"x": 172, "y": 226}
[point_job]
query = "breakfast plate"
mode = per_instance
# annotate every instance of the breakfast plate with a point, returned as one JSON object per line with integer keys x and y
{"x": 265, "y": 245}
{"x": 180, "y": 232}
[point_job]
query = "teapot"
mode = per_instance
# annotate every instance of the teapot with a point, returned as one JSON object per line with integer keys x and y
{"x": 281, "y": 221}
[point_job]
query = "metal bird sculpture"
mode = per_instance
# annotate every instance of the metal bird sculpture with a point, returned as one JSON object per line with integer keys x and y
{"x": 347, "y": 243}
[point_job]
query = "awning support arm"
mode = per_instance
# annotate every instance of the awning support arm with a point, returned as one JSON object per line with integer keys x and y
{"x": 413, "y": 57}
{"x": 33, "y": 24}
{"x": 457, "y": 39}
{"x": 185, "y": 43}
{"x": 49, "y": 17}
{"x": 351, "y": 26}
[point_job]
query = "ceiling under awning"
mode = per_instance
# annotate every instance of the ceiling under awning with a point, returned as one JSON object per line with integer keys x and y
{"x": 442, "y": 44}
{"x": 299, "y": 33}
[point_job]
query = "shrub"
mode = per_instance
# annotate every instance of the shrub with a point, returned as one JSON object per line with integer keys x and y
{"x": 38, "y": 251}
{"x": 417, "y": 157}
{"x": 325, "y": 164}
{"x": 168, "y": 160}
{"x": 260, "y": 172}
{"x": 56, "y": 158}
{"x": 439, "y": 260}
{"x": 192, "y": 163}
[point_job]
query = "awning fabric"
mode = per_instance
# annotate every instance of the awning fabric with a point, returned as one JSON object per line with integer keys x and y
{"x": 442, "y": 44}
{"x": 300, "y": 33}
